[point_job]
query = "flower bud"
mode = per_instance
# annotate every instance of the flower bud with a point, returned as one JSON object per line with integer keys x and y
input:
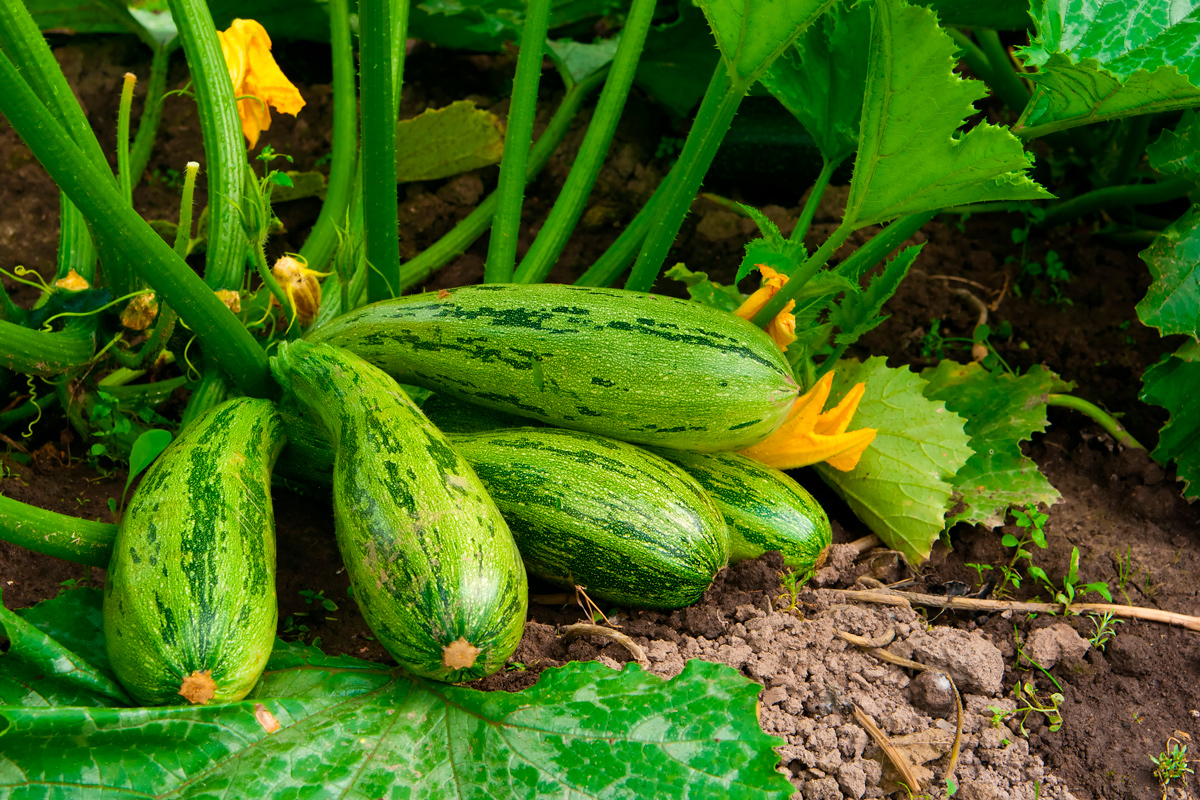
{"x": 140, "y": 312}
{"x": 301, "y": 286}
{"x": 73, "y": 282}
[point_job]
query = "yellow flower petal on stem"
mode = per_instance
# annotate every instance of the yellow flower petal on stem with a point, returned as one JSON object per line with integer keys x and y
{"x": 782, "y": 329}
{"x": 257, "y": 79}
{"x": 837, "y": 419}
{"x": 809, "y": 437}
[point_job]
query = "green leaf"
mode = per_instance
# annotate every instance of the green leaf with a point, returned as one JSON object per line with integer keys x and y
{"x": 39, "y": 671}
{"x": 1001, "y": 411}
{"x": 753, "y": 33}
{"x": 706, "y": 292}
{"x": 773, "y": 249}
{"x": 294, "y": 185}
{"x": 1172, "y": 304}
{"x": 821, "y": 78}
{"x": 678, "y": 61}
{"x": 581, "y": 60}
{"x": 335, "y": 726}
{"x": 858, "y": 313}
{"x": 1174, "y": 384}
{"x": 902, "y": 484}
{"x": 1110, "y": 60}
{"x": 145, "y": 449}
{"x": 488, "y": 24}
{"x": 911, "y": 155}
{"x": 283, "y": 19}
{"x": 447, "y": 141}
{"x": 1177, "y": 152}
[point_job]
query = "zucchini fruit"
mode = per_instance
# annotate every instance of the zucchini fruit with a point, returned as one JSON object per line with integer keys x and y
{"x": 638, "y": 367}
{"x": 589, "y": 511}
{"x": 434, "y": 568}
{"x": 763, "y": 507}
{"x": 189, "y": 604}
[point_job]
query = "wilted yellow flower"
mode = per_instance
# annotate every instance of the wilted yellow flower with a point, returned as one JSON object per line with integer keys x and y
{"x": 72, "y": 282}
{"x": 783, "y": 328}
{"x": 139, "y": 314}
{"x": 809, "y": 437}
{"x": 257, "y": 79}
{"x": 231, "y": 298}
{"x": 301, "y": 286}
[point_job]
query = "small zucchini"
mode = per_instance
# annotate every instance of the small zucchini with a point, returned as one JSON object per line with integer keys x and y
{"x": 589, "y": 511}
{"x": 763, "y": 507}
{"x": 189, "y": 604}
{"x": 434, "y": 568}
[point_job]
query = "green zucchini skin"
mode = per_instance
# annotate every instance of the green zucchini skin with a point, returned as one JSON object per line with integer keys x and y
{"x": 191, "y": 583}
{"x": 434, "y": 568}
{"x": 637, "y": 367}
{"x": 763, "y": 507}
{"x": 602, "y": 514}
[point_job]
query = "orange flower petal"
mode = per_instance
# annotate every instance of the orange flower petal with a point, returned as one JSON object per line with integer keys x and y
{"x": 257, "y": 79}
{"x": 837, "y": 419}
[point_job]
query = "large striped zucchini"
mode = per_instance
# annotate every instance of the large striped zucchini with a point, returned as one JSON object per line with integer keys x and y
{"x": 763, "y": 507}
{"x": 637, "y": 367}
{"x": 189, "y": 604}
{"x": 433, "y": 565}
{"x": 594, "y": 512}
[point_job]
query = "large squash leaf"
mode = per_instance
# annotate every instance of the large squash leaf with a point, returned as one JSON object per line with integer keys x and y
{"x": 320, "y": 726}
{"x": 446, "y": 141}
{"x": 902, "y": 484}
{"x": 1110, "y": 59}
{"x": 1174, "y": 384}
{"x": 1001, "y": 410}
{"x": 911, "y": 155}
{"x": 1177, "y": 152}
{"x": 753, "y": 33}
{"x": 1172, "y": 304}
{"x": 820, "y": 79}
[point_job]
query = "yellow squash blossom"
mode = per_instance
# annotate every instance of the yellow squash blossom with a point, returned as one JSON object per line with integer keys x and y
{"x": 257, "y": 79}
{"x": 809, "y": 436}
{"x": 783, "y": 328}
{"x": 300, "y": 285}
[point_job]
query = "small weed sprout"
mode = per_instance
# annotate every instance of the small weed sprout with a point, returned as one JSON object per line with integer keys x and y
{"x": 318, "y": 598}
{"x": 1104, "y": 627}
{"x": 792, "y": 582}
{"x": 1171, "y": 764}
{"x": 1030, "y": 702}
{"x": 1125, "y": 573}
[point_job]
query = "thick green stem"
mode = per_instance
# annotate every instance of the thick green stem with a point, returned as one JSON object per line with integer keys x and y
{"x": 1116, "y": 196}
{"x": 123, "y": 113}
{"x": 143, "y": 142}
{"x": 36, "y": 352}
{"x": 1005, "y": 81}
{"x": 93, "y": 191}
{"x": 510, "y": 192}
{"x": 802, "y": 276}
{"x": 30, "y": 408}
{"x": 1098, "y": 415}
{"x": 814, "y": 200}
{"x": 183, "y": 232}
{"x": 23, "y": 43}
{"x": 464, "y": 234}
{"x": 224, "y": 149}
{"x": 51, "y": 534}
{"x": 211, "y": 390}
{"x": 565, "y": 215}
{"x": 620, "y": 253}
{"x": 713, "y": 118}
{"x": 379, "y": 197}
{"x": 322, "y": 241}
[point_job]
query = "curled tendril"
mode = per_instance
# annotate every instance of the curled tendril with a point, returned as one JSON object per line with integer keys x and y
{"x": 47, "y": 327}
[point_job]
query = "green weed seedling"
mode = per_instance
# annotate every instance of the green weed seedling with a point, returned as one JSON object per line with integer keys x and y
{"x": 318, "y": 598}
{"x": 792, "y": 582}
{"x": 1103, "y": 629}
{"x": 1171, "y": 764}
{"x": 1030, "y": 702}
{"x": 1071, "y": 588}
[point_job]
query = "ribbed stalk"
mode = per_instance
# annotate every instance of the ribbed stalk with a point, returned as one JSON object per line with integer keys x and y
{"x": 143, "y": 142}
{"x": 716, "y": 112}
{"x": 382, "y": 229}
{"x": 224, "y": 150}
{"x": 464, "y": 234}
{"x": 51, "y": 534}
{"x": 36, "y": 352}
{"x": 502, "y": 248}
{"x": 814, "y": 200}
{"x": 93, "y": 190}
{"x": 565, "y": 215}
{"x": 1005, "y": 81}
{"x": 319, "y": 246}
{"x": 210, "y": 391}
{"x": 1116, "y": 197}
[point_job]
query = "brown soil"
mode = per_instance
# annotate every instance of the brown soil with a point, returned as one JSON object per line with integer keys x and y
{"x": 1123, "y": 511}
